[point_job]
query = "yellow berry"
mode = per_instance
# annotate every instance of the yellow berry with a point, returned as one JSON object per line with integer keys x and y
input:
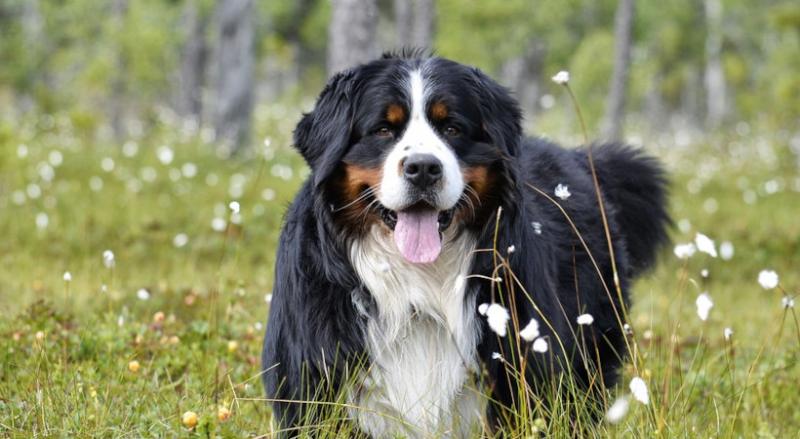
{"x": 133, "y": 366}
{"x": 223, "y": 413}
{"x": 189, "y": 419}
{"x": 232, "y": 346}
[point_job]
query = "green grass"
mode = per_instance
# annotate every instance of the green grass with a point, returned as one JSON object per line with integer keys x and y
{"x": 73, "y": 378}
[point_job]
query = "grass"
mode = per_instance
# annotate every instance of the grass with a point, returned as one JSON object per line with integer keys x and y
{"x": 66, "y": 347}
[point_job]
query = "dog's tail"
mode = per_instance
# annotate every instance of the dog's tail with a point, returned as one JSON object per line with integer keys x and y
{"x": 636, "y": 185}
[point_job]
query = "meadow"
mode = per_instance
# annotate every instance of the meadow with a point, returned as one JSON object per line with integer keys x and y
{"x": 136, "y": 278}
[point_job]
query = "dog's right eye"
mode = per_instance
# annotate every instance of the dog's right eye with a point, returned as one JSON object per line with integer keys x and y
{"x": 384, "y": 132}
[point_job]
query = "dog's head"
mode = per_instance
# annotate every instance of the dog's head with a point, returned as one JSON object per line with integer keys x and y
{"x": 413, "y": 144}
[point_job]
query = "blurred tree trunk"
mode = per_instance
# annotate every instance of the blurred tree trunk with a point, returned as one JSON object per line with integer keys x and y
{"x": 282, "y": 72}
{"x": 33, "y": 29}
{"x": 119, "y": 9}
{"x": 714, "y": 77}
{"x": 352, "y": 34}
{"x": 234, "y": 82}
{"x": 523, "y": 74}
{"x": 415, "y": 23}
{"x": 615, "y": 103}
{"x": 193, "y": 63}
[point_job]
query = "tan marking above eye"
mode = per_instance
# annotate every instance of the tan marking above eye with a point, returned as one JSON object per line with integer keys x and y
{"x": 395, "y": 114}
{"x": 439, "y": 111}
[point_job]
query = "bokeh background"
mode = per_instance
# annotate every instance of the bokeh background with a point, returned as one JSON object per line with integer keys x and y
{"x": 160, "y": 131}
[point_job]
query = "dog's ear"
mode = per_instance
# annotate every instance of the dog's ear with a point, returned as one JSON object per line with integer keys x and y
{"x": 323, "y": 135}
{"x": 500, "y": 114}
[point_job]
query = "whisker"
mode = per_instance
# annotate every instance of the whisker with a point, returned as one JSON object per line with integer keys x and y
{"x": 473, "y": 192}
{"x": 367, "y": 192}
{"x": 363, "y": 215}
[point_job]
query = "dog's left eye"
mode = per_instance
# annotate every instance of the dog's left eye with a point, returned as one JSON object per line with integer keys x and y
{"x": 451, "y": 131}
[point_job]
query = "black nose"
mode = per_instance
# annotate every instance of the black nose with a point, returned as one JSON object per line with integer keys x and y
{"x": 422, "y": 169}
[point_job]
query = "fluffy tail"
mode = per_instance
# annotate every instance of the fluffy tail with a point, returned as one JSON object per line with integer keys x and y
{"x": 636, "y": 185}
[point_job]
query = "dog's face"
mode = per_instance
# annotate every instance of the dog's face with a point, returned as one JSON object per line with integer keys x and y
{"x": 415, "y": 145}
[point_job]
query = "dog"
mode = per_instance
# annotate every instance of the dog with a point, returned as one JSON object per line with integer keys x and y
{"x": 430, "y": 235}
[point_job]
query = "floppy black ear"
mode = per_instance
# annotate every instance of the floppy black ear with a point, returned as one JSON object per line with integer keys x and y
{"x": 323, "y": 135}
{"x": 500, "y": 113}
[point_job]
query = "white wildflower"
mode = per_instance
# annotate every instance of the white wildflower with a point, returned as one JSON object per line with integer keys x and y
{"x": 268, "y": 297}
{"x": 530, "y": 331}
{"x": 108, "y": 259}
{"x": 42, "y": 220}
{"x": 618, "y": 410}
{"x": 627, "y": 329}
{"x": 639, "y": 389}
{"x": 685, "y": 251}
{"x": 165, "y": 155}
{"x": 218, "y": 224}
{"x": 496, "y": 356}
{"x": 180, "y": 240}
{"x": 787, "y": 302}
{"x": 67, "y": 276}
{"x": 189, "y": 170}
{"x": 562, "y": 191}
{"x": 143, "y": 294}
{"x": 704, "y": 305}
{"x": 235, "y": 207}
{"x": 561, "y": 77}
{"x": 130, "y": 149}
{"x": 107, "y": 164}
{"x": 727, "y": 333}
{"x": 511, "y": 249}
{"x": 540, "y": 345}
{"x": 705, "y": 244}
{"x": 497, "y": 316}
{"x": 55, "y": 158}
{"x": 726, "y": 251}
{"x": 768, "y": 279}
{"x": 704, "y": 273}
{"x": 585, "y": 319}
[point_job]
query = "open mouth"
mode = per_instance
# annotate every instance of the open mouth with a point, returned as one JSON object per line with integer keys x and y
{"x": 444, "y": 218}
{"x": 418, "y": 230}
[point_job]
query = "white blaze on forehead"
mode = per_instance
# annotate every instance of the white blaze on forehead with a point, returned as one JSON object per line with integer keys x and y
{"x": 419, "y": 138}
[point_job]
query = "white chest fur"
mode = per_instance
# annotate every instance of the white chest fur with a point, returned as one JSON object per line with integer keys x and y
{"x": 421, "y": 341}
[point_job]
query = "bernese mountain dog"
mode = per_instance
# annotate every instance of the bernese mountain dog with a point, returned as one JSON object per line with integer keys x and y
{"x": 428, "y": 268}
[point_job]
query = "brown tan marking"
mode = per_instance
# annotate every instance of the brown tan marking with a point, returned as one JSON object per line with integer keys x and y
{"x": 439, "y": 111}
{"x": 354, "y": 182}
{"x": 483, "y": 183}
{"x": 395, "y": 114}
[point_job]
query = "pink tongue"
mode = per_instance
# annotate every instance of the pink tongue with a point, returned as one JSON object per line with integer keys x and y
{"x": 417, "y": 236}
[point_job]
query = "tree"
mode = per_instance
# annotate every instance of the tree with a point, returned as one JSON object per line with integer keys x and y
{"x": 714, "y": 76}
{"x": 615, "y": 103}
{"x": 352, "y": 34}
{"x": 415, "y": 23}
{"x": 119, "y": 10}
{"x": 234, "y": 84}
{"x": 523, "y": 74}
{"x": 193, "y": 62}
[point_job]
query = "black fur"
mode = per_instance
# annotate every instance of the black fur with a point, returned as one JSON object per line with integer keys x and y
{"x": 315, "y": 336}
